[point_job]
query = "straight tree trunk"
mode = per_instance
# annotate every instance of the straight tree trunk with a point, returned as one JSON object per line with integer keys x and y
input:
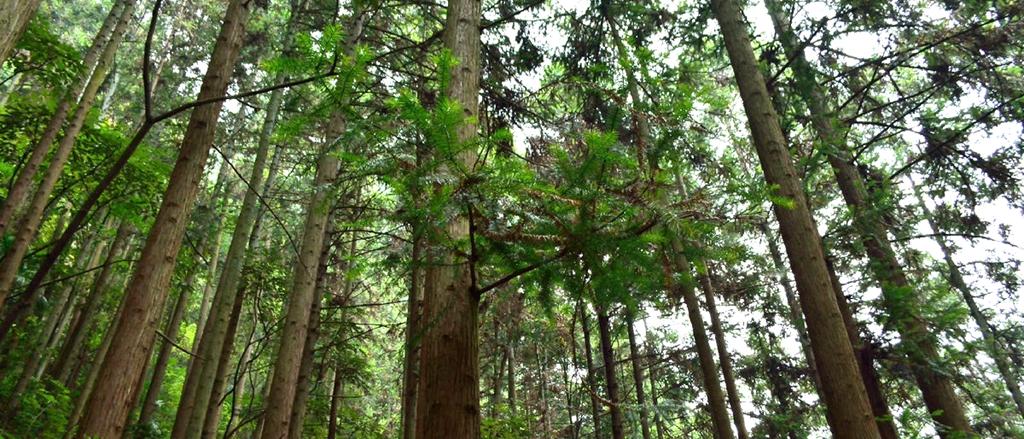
{"x": 163, "y": 356}
{"x": 199, "y": 384}
{"x": 595, "y": 408}
{"x": 14, "y": 18}
{"x": 709, "y": 371}
{"x": 305, "y": 382}
{"x": 939, "y": 395}
{"x": 845, "y": 398}
{"x": 336, "y": 399}
{"x": 638, "y": 377}
{"x": 90, "y": 381}
{"x": 956, "y": 279}
{"x": 239, "y": 386}
{"x": 28, "y": 226}
{"x": 611, "y": 381}
{"x": 652, "y": 376}
{"x": 449, "y": 393}
{"x": 723, "y": 354}
{"x": 108, "y": 407}
{"x": 410, "y": 367}
{"x": 71, "y": 351}
{"x": 211, "y": 421}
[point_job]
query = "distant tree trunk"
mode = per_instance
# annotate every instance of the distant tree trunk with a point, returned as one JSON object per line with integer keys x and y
{"x": 638, "y": 377}
{"x": 303, "y": 294}
{"x": 510, "y": 358}
{"x": 410, "y": 367}
{"x": 595, "y": 408}
{"x": 163, "y": 356}
{"x": 19, "y": 190}
{"x": 197, "y": 394}
{"x": 27, "y": 227}
{"x": 305, "y": 380}
{"x": 723, "y": 355}
{"x": 61, "y": 368}
{"x": 211, "y": 422}
{"x": 336, "y": 399}
{"x": 956, "y": 279}
{"x": 14, "y": 18}
{"x": 449, "y": 393}
{"x": 845, "y": 398}
{"x": 652, "y": 376}
{"x": 795, "y": 316}
{"x": 709, "y": 371}
{"x": 604, "y": 329}
{"x": 109, "y": 406}
{"x": 239, "y": 385}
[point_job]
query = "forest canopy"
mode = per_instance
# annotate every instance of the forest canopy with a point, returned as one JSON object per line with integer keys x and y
{"x": 500, "y": 219}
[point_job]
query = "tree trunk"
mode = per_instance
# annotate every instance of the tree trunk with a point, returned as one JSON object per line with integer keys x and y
{"x": 71, "y": 351}
{"x": 939, "y": 395}
{"x": 845, "y": 398}
{"x": 595, "y": 408}
{"x": 611, "y": 381}
{"x": 652, "y": 376}
{"x": 90, "y": 381}
{"x": 163, "y": 357}
{"x": 723, "y": 355}
{"x": 638, "y": 377}
{"x": 303, "y": 294}
{"x": 199, "y": 384}
{"x": 956, "y": 279}
{"x": 449, "y": 393}
{"x": 33, "y": 216}
{"x": 410, "y": 367}
{"x": 336, "y": 399}
{"x": 211, "y": 421}
{"x": 108, "y": 407}
{"x": 14, "y": 18}
{"x": 709, "y": 371}
{"x": 19, "y": 190}
{"x": 305, "y": 381}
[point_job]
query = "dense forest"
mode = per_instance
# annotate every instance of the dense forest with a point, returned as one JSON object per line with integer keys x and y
{"x": 501, "y": 219}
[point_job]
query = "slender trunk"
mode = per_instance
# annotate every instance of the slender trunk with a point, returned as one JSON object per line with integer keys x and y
{"x": 709, "y": 371}
{"x": 845, "y": 398}
{"x": 211, "y": 421}
{"x": 19, "y": 190}
{"x": 238, "y": 383}
{"x": 638, "y": 377}
{"x": 795, "y": 316}
{"x": 199, "y": 384}
{"x": 305, "y": 381}
{"x": 336, "y": 399}
{"x": 113, "y": 81}
{"x": 449, "y": 393}
{"x": 604, "y": 329}
{"x": 595, "y": 408}
{"x": 76, "y": 335}
{"x": 163, "y": 356}
{"x": 652, "y": 376}
{"x": 864, "y": 353}
{"x": 106, "y": 413}
{"x": 90, "y": 381}
{"x": 410, "y": 375}
{"x": 33, "y": 216}
{"x": 511, "y": 384}
{"x": 723, "y": 355}
{"x": 956, "y": 279}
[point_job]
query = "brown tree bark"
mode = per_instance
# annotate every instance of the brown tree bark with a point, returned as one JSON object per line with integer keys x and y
{"x": 610, "y": 379}
{"x": 211, "y": 421}
{"x": 449, "y": 393}
{"x": 108, "y": 407}
{"x": 14, "y": 18}
{"x": 723, "y": 354}
{"x": 336, "y": 399}
{"x": 845, "y": 398}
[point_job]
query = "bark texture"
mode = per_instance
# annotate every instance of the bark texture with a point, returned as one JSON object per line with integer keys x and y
{"x": 14, "y": 18}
